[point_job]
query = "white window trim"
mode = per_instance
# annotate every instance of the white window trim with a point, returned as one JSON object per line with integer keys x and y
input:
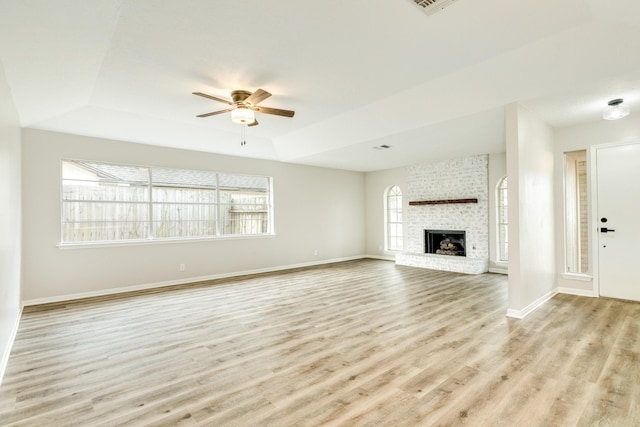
{"x": 168, "y": 240}
{"x": 499, "y": 260}
{"x": 571, "y": 200}
{"x": 386, "y": 219}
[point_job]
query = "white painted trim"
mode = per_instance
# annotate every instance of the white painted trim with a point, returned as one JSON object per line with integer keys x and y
{"x": 521, "y": 314}
{"x": 382, "y": 257}
{"x": 593, "y": 220}
{"x": 113, "y": 291}
{"x": 499, "y": 270}
{"x": 578, "y": 292}
{"x": 516, "y": 314}
{"x": 9, "y": 345}
{"x": 576, "y": 276}
{"x": 164, "y": 241}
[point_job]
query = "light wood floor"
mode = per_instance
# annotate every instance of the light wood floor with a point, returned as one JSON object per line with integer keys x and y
{"x": 356, "y": 343}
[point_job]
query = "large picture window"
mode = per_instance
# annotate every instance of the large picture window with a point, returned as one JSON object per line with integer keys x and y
{"x": 104, "y": 202}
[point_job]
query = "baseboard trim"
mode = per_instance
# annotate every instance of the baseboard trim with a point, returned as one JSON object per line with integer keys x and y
{"x": 9, "y": 345}
{"x": 578, "y": 292}
{"x": 521, "y": 314}
{"x": 382, "y": 257}
{"x": 183, "y": 281}
{"x": 498, "y": 270}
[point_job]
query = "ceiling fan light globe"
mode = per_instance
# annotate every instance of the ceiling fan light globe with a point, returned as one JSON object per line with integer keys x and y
{"x": 243, "y": 116}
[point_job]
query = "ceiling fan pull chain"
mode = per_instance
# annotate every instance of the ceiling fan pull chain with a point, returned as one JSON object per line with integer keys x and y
{"x": 243, "y": 135}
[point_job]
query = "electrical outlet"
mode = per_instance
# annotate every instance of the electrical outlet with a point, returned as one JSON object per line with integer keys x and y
{"x": 315, "y": 253}
{"x": 182, "y": 267}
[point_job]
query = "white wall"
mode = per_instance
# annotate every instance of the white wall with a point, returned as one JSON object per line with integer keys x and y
{"x": 497, "y": 170}
{"x": 376, "y": 184}
{"x": 530, "y": 167}
{"x": 10, "y": 220}
{"x": 315, "y": 209}
{"x": 584, "y": 137}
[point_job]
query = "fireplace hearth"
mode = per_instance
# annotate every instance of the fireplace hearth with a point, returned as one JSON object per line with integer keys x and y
{"x": 445, "y": 242}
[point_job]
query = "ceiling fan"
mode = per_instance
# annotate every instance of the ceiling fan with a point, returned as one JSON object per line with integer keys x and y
{"x": 244, "y": 105}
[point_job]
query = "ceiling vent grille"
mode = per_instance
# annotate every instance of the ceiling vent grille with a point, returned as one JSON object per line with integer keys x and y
{"x": 432, "y": 6}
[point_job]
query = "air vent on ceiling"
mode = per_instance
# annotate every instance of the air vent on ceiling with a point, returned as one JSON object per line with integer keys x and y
{"x": 432, "y": 6}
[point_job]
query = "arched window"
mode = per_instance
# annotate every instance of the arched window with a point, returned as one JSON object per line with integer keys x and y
{"x": 393, "y": 219}
{"x": 503, "y": 219}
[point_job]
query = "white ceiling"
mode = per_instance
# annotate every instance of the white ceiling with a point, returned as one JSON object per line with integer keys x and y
{"x": 358, "y": 73}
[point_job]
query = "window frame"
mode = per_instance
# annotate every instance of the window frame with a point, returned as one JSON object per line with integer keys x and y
{"x": 502, "y": 220}
{"x": 577, "y": 259}
{"x": 398, "y": 240}
{"x": 152, "y": 205}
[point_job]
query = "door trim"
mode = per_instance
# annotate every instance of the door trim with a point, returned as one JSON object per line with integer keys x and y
{"x": 592, "y": 153}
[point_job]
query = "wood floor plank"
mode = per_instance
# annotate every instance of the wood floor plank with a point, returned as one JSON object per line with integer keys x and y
{"x": 358, "y": 343}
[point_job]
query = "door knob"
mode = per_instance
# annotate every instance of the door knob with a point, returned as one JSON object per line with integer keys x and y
{"x": 606, "y": 230}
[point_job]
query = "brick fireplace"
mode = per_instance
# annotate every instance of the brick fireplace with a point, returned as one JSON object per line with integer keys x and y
{"x": 449, "y": 196}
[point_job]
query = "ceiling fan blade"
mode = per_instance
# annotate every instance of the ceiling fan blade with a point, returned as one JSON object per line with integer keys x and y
{"x": 204, "y": 95}
{"x": 276, "y": 111}
{"x": 215, "y": 112}
{"x": 257, "y": 97}
{"x": 255, "y": 123}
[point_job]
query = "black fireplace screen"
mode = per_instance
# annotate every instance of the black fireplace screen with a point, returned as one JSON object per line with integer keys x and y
{"x": 445, "y": 242}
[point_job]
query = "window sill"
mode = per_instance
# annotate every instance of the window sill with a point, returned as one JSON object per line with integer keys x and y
{"x": 577, "y": 276}
{"x": 120, "y": 243}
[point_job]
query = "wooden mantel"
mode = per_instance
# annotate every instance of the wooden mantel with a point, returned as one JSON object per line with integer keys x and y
{"x": 442, "y": 202}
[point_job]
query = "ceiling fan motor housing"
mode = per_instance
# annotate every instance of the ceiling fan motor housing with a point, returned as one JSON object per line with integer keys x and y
{"x": 239, "y": 96}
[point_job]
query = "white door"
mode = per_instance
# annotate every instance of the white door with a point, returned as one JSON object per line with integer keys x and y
{"x": 618, "y": 221}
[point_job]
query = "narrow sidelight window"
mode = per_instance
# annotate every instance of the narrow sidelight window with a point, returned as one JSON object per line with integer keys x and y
{"x": 576, "y": 207}
{"x": 503, "y": 220}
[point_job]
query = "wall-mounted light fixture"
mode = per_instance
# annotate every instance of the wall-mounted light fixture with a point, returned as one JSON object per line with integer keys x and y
{"x": 615, "y": 110}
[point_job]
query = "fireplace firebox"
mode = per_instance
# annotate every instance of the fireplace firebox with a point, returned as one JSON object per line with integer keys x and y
{"x": 445, "y": 242}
